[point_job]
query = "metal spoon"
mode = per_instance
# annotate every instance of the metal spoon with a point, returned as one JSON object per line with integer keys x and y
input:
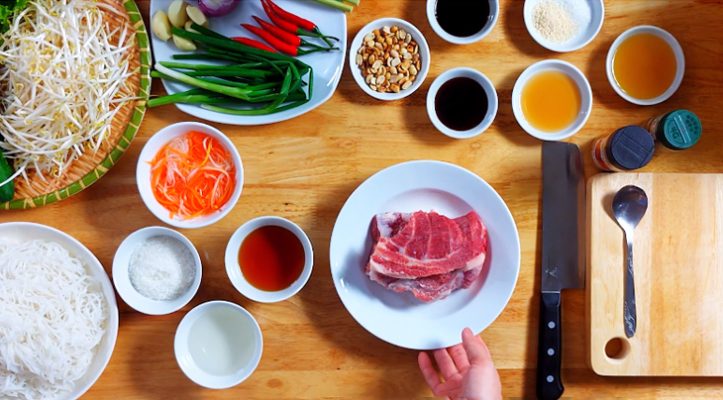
{"x": 629, "y": 206}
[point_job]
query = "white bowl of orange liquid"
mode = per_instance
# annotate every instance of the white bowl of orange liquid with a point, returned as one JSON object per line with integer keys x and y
{"x": 645, "y": 65}
{"x": 269, "y": 259}
{"x": 552, "y": 100}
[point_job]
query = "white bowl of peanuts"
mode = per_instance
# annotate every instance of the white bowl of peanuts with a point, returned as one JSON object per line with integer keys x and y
{"x": 389, "y": 58}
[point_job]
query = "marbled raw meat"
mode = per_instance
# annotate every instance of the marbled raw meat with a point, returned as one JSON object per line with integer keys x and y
{"x": 426, "y": 253}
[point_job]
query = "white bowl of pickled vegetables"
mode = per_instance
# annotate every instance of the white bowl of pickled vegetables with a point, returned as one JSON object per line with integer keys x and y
{"x": 189, "y": 175}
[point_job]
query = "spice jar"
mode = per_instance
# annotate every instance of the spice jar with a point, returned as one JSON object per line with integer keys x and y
{"x": 677, "y": 130}
{"x": 626, "y": 149}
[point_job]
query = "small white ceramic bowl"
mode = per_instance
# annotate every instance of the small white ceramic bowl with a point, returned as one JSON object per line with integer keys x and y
{"x": 585, "y": 98}
{"x": 491, "y": 22}
{"x": 121, "y": 278}
{"x": 424, "y": 54}
{"x": 242, "y": 324}
{"x": 233, "y": 269}
{"x": 143, "y": 174}
{"x": 679, "y": 59}
{"x": 492, "y": 102}
{"x": 586, "y": 35}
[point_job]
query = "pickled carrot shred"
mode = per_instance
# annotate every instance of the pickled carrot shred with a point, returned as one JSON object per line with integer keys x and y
{"x": 193, "y": 175}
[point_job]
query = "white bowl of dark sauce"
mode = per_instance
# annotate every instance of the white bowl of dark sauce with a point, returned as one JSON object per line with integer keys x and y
{"x": 462, "y": 103}
{"x": 462, "y": 22}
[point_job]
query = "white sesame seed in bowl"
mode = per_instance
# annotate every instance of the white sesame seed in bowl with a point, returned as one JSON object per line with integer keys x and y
{"x": 564, "y": 25}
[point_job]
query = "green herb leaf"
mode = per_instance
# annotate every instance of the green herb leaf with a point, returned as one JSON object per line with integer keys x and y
{"x": 8, "y": 9}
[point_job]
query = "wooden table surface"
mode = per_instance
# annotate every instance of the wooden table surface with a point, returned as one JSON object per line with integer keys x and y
{"x": 304, "y": 169}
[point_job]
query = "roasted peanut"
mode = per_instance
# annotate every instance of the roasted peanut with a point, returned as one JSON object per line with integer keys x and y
{"x": 389, "y": 59}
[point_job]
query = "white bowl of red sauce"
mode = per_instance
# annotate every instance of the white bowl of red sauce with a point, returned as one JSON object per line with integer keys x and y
{"x": 189, "y": 175}
{"x": 269, "y": 259}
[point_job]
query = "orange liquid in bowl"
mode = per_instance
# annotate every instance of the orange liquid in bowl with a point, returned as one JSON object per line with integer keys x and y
{"x": 551, "y": 101}
{"x": 644, "y": 66}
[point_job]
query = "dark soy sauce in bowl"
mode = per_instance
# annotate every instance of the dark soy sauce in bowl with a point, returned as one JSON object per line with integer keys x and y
{"x": 461, "y": 103}
{"x": 462, "y": 18}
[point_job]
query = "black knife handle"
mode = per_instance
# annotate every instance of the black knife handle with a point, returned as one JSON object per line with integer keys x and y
{"x": 549, "y": 348}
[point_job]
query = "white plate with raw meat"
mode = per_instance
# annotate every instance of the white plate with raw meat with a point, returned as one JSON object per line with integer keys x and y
{"x": 445, "y": 254}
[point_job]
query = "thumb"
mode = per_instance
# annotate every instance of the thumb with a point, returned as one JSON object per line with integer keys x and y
{"x": 477, "y": 351}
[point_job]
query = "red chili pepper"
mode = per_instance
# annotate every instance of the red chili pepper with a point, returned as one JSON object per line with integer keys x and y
{"x": 277, "y": 20}
{"x": 254, "y": 43}
{"x": 290, "y": 38}
{"x": 276, "y": 43}
{"x": 280, "y": 33}
{"x": 293, "y": 18}
{"x": 291, "y": 26}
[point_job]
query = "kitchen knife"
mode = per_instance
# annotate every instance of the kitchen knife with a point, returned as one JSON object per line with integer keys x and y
{"x": 562, "y": 248}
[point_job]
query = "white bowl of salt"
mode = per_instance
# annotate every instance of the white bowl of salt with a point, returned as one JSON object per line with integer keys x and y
{"x": 156, "y": 270}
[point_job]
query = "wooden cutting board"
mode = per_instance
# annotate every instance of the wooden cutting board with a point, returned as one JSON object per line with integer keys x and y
{"x": 678, "y": 263}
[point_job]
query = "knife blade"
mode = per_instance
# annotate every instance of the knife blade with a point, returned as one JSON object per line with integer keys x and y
{"x": 562, "y": 264}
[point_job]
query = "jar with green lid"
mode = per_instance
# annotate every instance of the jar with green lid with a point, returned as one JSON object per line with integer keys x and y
{"x": 677, "y": 130}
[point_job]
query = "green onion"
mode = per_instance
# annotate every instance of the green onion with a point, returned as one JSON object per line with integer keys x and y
{"x": 339, "y": 5}
{"x": 202, "y": 29}
{"x": 193, "y": 96}
{"x": 156, "y": 74}
{"x": 251, "y": 81}
{"x": 178, "y": 65}
{"x": 239, "y": 93}
{"x": 233, "y": 72}
{"x": 232, "y": 45}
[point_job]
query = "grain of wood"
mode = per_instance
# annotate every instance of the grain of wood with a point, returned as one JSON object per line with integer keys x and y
{"x": 305, "y": 168}
{"x": 678, "y": 277}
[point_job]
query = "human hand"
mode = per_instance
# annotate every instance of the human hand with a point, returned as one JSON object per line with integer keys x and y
{"x": 467, "y": 371}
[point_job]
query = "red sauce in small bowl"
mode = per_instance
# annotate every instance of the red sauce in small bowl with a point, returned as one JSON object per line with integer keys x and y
{"x": 271, "y": 258}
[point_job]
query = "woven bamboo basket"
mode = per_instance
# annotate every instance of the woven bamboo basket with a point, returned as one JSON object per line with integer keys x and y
{"x": 88, "y": 169}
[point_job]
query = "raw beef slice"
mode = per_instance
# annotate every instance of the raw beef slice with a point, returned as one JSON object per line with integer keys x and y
{"x": 427, "y": 254}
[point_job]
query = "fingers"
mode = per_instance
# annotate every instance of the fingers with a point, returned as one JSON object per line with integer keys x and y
{"x": 459, "y": 355}
{"x": 445, "y": 363}
{"x": 477, "y": 351}
{"x": 428, "y": 371}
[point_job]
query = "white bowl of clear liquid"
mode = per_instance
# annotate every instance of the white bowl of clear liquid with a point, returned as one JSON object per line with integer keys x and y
{"x": 218, "y": 344}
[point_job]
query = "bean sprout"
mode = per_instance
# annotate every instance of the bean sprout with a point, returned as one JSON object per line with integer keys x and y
{"x": 65, "y": 72}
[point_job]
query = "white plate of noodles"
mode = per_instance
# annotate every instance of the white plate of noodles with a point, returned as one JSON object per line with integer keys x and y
{"x": 59, "y": 318}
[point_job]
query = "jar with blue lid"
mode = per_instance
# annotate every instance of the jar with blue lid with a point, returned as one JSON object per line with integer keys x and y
{"x": 626, "y": 149}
